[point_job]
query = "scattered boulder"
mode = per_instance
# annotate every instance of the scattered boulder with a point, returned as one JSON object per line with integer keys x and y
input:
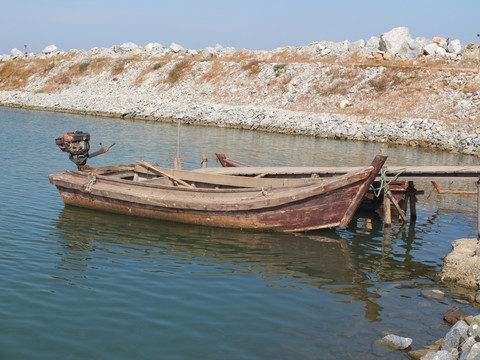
{"x": 345, "y": 103}
{"x": 394, "y": 40}
{"x": 472, "y": 353}
{"x": 440, "y": 51}
{"x": 396, "y": 342}
{"x": 129, "y": 46}
{"x": 49, "y": 50}
{"x": 441, "y": 42}
{"x": 325, "y": 52}
{"x": 433, "y": 294}
{"x": 153, "y": 47}
{"x": 411, "y": 49}
{"x": 453, "y": 315}
{"x": 454, "y": 335}
{"x": 430, "y": 49}
{"x": 389, "y": 56}
{"x": 16, "y": 53}
{"x": 176, "y": 48}
{"x": 356, "y": 46}
{"x": 454, "y": 47}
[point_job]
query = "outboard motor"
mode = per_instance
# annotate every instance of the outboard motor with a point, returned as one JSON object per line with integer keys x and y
{"x": 77, "y": 144}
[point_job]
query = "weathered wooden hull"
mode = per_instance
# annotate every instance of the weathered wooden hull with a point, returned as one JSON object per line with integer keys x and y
{"x": 291, "y": 208}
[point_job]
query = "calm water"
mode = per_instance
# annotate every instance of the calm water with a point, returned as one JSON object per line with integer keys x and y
{"x": 81, "y": 284}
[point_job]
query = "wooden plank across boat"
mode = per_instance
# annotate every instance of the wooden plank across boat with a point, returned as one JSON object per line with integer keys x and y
{"x": 219, "y": 200}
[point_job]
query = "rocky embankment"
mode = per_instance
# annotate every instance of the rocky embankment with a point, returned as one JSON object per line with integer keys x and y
{"x": 462, "y": 341}
{"x": 394, "y": 88}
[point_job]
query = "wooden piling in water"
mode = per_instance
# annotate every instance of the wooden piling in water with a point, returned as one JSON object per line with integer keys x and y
{"x": 478, "y": 209}
{"x": 413, "y": 200}
{"x": 387, "y": 211}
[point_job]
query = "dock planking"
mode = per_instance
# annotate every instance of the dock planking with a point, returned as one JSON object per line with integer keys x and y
{"x": 401, "y": 173}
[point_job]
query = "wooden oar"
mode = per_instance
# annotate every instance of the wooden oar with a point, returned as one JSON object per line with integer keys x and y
{"x": 156, "y": 169}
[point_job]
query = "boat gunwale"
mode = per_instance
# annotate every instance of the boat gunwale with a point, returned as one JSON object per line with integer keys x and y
{"x": 313, "y": 183}
{"x": 258, "y": 198}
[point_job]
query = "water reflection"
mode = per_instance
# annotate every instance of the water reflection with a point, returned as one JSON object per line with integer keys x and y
{"x": 92, "y": 240}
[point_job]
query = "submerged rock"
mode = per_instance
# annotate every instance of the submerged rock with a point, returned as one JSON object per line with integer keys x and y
{"x": 453, "y": 315}
{"x": 396, "y": 342}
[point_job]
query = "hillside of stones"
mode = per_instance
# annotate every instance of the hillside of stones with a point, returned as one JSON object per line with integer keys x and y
{"x": 393, "y": 88}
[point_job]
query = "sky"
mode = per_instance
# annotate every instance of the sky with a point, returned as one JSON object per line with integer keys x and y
{"x": 242, "y": 24}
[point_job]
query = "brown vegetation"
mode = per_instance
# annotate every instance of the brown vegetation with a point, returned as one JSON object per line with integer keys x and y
{"x": 178, "y": 71}
{"x": 252, "y": 66}
{"x": 15, "y": 74}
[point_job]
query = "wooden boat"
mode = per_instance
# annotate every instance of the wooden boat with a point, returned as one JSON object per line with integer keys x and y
{"x": 219, "y": 200}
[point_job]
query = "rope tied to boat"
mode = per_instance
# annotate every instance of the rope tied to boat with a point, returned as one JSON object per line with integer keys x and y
{"x": 383, "y": 180}
{"x": 91, "y": 180}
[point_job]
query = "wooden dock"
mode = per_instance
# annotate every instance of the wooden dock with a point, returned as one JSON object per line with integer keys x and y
{"x": 407, "y": 174}
{"x": 404, "y": 173}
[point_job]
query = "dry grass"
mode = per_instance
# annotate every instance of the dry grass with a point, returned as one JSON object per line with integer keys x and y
{"x": 472, "y": 86}
{"x": 215, "y": 71}
{"x": 179, "y": 70}
{"x": 252, "y": 66}
{"x": 15, "y": 74}
{"x": 119, "y": 67}
{"x": 289, "y": 56}
{"x": 100, "y": 65}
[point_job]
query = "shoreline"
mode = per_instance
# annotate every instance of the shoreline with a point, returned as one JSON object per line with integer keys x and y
{"x": 365, "y": 91}
{"x": 331, "y": 126}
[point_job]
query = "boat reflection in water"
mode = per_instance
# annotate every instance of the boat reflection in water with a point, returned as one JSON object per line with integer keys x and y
{"x": 93, "y": 240}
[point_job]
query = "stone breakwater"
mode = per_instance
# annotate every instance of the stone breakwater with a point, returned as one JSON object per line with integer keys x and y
{"x": 461, "y": 342}
{"x": 347, "y": 92}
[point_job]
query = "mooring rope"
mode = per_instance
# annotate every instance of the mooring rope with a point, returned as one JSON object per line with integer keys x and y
{"x": 91, "y": 180}
{"x": 383, "y": 180}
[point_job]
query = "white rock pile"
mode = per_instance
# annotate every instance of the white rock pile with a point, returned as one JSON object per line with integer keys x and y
{"x": 396, "y": 43}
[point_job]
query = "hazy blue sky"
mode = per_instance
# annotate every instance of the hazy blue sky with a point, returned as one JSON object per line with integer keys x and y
{"x": 250, "y": 24}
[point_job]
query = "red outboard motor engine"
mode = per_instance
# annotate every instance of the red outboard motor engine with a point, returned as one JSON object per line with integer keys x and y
{"x": 77, "y": 145}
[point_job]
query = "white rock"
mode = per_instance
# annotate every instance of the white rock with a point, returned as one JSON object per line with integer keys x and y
{"x": 440, "y": 51}
{"x": 411, "y": 49}
{"x": 345, "y": 103}
{"x": 16, "y": 53}
{"x": 373, "y": 42}
{"x": 394, "y": 40}
{"x": 176, "y": 48}
{"x": 431, "y": 49}
{"x": 454, "y": 47}
{"x": 356, "y": 46}
{"x": 49, "y": 49}
{"x": 154, "y": 46}
{"x": 325, "y": 52}
{"x": 396, "y": 342}
{"x": 129, "y": 46}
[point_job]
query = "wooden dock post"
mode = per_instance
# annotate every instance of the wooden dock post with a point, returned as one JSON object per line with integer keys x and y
{"x": 177, "y": 162}
{"x": 387, "y": 211}
{"x": 413, "y": 200}
{"x": 478, "y": 208}
{"x": 204, "y": 161}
